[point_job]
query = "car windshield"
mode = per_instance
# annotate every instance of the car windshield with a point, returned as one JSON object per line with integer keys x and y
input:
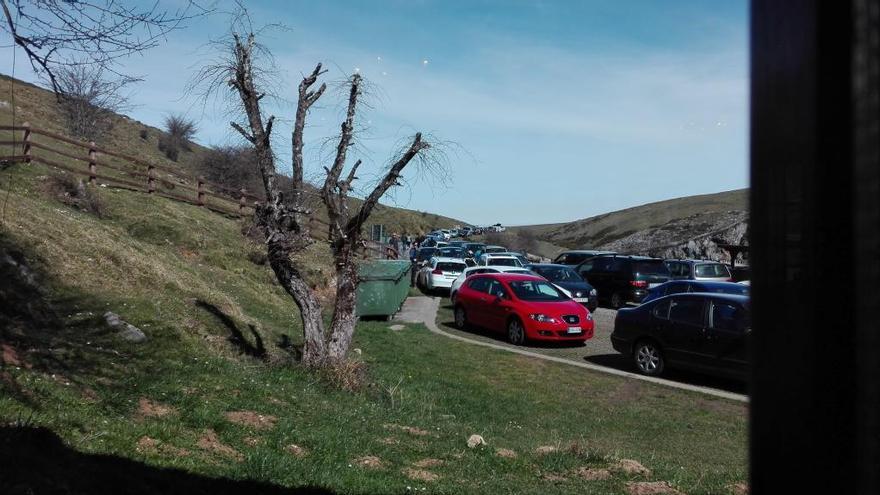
{"x": 452, "y": 252}
{"x": 712, "y": 270}
{"x": 559, "y": 274}
{"x": 503, "y": 262}
{"x": 536, "y": 290}
{"x": 445, "y": 266}
{"x": 650, "y": 267}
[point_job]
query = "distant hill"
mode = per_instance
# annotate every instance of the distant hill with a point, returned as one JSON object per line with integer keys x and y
{"x": 676, "y": 227}
{"x": 134, "y": 138}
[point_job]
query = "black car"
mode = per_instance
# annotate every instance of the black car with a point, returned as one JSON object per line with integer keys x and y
{"x": 623, "y": 279}
{"x": 681, "y": 286}
{"x": 566, "y": 278}
{"x": 424, "y": 254}
{"x": 574, "y": 258}
{"x": 698, "y": 331}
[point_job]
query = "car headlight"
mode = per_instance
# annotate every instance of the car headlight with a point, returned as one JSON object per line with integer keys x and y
{"x": 578, "y": 294}
{"x": 593, "y": 292}
{"x": 542, "y": 318}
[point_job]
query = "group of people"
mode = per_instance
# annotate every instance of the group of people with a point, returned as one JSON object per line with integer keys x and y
{"x": 402, "y": 245}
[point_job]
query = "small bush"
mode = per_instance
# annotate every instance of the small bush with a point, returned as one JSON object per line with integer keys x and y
{"x": 234, "y": 167}
{"x": 179, "y": 133}
{"x": 76, "y": 194}
{"x": 145, "y": 134}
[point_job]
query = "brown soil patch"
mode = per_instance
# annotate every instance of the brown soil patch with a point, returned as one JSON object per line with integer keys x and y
{"x": 428, "y": 463}
{"x": 389, "y": 441}
{"x": 739, "y": 489}
{"x": 368, "y": 462}
{"x": 90, "y": 395}
{"x": 210, "y": 443}
{"x": 506, "y": 453}
{"x": 651, "y": 488}
{"x": 420, "y": 475}
{"x": 296, "y": 451}
{"x": 545, "y": 449}
{"x": 277, "y": 402}
{"x": 147, "y": 445}
{"x": 150, "y": 409}
{"x": 631, "y": 467}
{"x": 252, "y": 419}
{"x": 592, "y": 474}
{"x": 9, "y": 356}
{"x": 412, "y": 430}
{"x": 188, "y": 254}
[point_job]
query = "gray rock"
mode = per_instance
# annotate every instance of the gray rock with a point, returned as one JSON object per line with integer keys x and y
{"x": 126, "y": 331}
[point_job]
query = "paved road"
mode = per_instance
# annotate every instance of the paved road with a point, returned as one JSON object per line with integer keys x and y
{"x": 597, "y": 354}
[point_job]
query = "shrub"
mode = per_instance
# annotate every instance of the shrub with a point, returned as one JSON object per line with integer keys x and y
{"x": 144, "y": 134}
{"x": 76, "y": 194}
{"x": 349, "y": 375}
{"x": 234, "y": 167}
{"x": 88, "y": 100}
{"x": 179, "y": 132}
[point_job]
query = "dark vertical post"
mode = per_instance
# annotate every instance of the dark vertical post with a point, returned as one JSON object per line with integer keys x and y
{"x": 815, "y": 239}
{"x": 200, "y": 191}
{"x": 151, "y": 179}
{"x": 26, "y": 143}
{"x": 93, "y": 163}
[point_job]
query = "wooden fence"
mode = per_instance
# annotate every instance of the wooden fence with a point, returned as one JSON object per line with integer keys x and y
{"x": 105, "y": 167}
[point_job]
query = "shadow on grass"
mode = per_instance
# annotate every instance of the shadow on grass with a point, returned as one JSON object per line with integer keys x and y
{"x": 624, "y": 363}
{"x": 236, "y": 337}
{"x": 35, "y": 460}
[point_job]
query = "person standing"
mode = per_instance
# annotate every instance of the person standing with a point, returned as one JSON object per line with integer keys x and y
{"x": 413, "y": 260}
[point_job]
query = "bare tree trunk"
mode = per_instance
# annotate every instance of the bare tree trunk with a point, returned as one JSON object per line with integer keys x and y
{"x": 344, "y": 314}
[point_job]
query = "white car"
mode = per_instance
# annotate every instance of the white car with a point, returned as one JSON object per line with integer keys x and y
{"x": 474, "y": 270}
{"x": 440, "y": 273}
{"x": 488, "y": 259}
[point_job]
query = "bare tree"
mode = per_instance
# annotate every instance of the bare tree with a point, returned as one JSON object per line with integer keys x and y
{"x": 88, "y": 99}
{"x": 285, "y": 220}
{"x": 53, "y": 33}
{"x": 179, "y": 133}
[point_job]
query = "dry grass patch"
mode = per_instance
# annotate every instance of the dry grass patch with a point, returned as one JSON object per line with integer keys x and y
{"x": 296, "y": 451}
{"x": 252, "y": 419}
{"x": 506, "y": 453}
{"x": 412, "y": 430}
{"x": 428, "y": 463}
{"x": 151, "y": 409}
{"x": 651, "y": 488}
{"x": 209, "y": 442}
{"x": 546, "y": 449}
{"x": 368, "y": 462}
{"x": 147, "y": 445}
{"x": 631, "y": 467}
{"x": 419, "y": 475}
{"x": 592, "y": 474}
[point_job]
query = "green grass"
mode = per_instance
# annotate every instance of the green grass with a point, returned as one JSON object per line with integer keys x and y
{"x": 182, "y": 274}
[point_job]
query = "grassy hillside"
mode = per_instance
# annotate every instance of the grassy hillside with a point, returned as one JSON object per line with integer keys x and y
{"x": 39, "y": 107}
{"x": 596, "y": 232}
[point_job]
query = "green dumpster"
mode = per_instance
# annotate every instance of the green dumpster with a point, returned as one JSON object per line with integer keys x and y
{"x": 384, "y": 285}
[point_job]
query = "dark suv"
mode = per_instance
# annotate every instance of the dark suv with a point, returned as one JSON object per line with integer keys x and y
{"x": 573, "y": 258}
{"x": 623, "y": 279}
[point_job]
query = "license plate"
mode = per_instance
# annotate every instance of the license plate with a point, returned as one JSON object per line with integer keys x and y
{"x": 574, "y": 330}
{"x": 582, "y": 299}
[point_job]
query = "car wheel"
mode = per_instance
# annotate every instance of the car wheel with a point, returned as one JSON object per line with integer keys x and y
{"x": 649, "y": 358}
{"x": 616, "y": 300}
{"x": 460, "y": 318}
{"x": 516, "y": 333}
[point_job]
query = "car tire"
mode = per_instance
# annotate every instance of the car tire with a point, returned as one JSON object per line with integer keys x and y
{"x": 617, "y": 301}
{"x": 461, "y": 322}
{"x": 648, "y": 358}
{"x": 516, "y": 332}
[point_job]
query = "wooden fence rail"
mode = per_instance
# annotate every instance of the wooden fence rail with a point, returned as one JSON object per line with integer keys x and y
{"x": 143, "y": 176}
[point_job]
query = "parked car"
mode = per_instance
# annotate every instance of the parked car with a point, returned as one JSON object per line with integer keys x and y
{"x": 525, "y": 307}
{"x": 494, "y": 249}
{"x": 439, "y": 273}
{"x": 699, "y": 331}
{"x": 699, "y": 270}
{"x": 498, "y": 260}
{"x": 476, "y": 270}
{"x": 424, "y": 254}
{"x": 460, "y": 244}
{"x": 466, "y": 231}
{"x": 521, "y": 257}
{"x": 623, "y": 279}
{"x": 683, "y": 286}
{"x": 573, "y": 258}
{"x": 569, "y": 282}
{"x": 455, "y": 252}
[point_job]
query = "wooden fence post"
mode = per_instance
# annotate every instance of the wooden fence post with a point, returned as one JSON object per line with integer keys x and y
{"x": 93, "y": 163}
{"x": 201, "y": 191}
{"x": 26, "y": 143}
{"x": 242, "y": 202}
{"x": 151, "y": 180}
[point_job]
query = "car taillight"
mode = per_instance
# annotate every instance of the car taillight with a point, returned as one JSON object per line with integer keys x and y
{"x": 437, "y": 271}
{"x": 639, "y": 283}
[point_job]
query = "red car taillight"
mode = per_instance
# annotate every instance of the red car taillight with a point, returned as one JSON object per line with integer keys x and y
{"x": 638, "y": 283}
{"x": 437, "y": 271}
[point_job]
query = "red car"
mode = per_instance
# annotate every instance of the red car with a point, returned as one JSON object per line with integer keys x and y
{"x": 526, "y": 307}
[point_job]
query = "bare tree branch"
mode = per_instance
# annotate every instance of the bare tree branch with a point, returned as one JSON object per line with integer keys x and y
{"x": 307, "y": 98}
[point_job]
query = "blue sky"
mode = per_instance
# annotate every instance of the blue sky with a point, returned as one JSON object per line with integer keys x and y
{"x": 558, "y": 110}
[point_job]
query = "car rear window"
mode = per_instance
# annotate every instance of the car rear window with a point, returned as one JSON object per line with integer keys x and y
{"x": 495, "y": 249}
{"x": 651, "y": 267}
{"x": 426, "y": 253}
{"x": 503, "y": 261}
{"x": 451, "y": 267}
{"x": 713, "y": 270}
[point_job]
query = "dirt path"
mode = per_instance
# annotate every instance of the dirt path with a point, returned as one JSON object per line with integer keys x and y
{"x": 424, "y": 310}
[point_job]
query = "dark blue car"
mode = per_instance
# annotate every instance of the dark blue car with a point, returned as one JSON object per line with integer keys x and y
{"x": 570, "y": 282}
{"x": 683, "y": 286}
